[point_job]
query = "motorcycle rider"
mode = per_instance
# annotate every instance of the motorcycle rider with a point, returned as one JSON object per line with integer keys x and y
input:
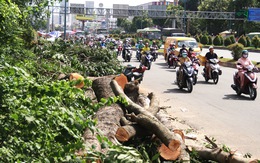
{"x": 209, "y": 55}
{"x": 242, "y": 62}
{"x": 191, "y": 50}
{"x": 183, "y": 49}
{"x": 154, "y": 47}
{"x": 144, "y": 52}
{"x": 183, "y": 58}
{"x": 125, "y": 47}
{"x": 170, "y": 51}
{"x": 139, "y": 47}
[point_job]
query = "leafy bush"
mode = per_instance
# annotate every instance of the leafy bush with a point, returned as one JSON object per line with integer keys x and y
{"x": 242, "y": 40}
{"x": 217, "y": 40}
{"x": 248, "y": 41}
{"x": 210, "y": 40}
{"x": 233, "y": 39}
{"x": 221, "y": 40}
{"x": 197, "y": 38}
{"x": 256, "y": 41}
{"x": 41, "y": 121}
{"x": 204, "y": 39}
{"x": 236, "y": 49}
{"x": 227, "y": 41}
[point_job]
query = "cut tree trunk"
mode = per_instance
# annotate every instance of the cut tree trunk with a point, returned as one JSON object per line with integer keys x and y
{"x": 129, "y": 131}
{"x": 108, "y": 117}
{"x": 150, "y": 122}
{"x": 219, "y": 155}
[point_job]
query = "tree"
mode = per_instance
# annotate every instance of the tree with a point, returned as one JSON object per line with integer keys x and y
{"x": 191, "y": 5}
{"x": 10, "y": 27}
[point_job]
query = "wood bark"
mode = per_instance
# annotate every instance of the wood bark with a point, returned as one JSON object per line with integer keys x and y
{"x": 219, "y": 155}
{"x": 126, "y": 132}
{"x": 108, "y": 117}
{"x": 150, "y": 122}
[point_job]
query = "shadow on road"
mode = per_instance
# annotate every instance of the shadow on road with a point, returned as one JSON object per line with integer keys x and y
{"x": 176, "y": 90}
{"x": 235, "y": 97}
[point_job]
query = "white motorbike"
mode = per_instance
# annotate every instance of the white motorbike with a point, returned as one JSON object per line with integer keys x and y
{"x": 214, "y": 71}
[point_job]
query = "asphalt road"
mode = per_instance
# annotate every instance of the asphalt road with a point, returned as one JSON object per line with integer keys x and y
{"x": 211, "y": 109}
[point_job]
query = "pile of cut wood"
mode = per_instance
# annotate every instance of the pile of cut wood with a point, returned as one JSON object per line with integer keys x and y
{"x": 142, "y": 118}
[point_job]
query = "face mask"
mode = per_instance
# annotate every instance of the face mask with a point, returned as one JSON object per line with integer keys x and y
{"x": 245, "y": 55}
{"x": 184, "y": 55}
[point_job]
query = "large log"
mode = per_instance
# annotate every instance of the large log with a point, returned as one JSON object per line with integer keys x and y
{"x": 219, "y": 155}
{"x": 108, "y": 117}
{"x": 150, "y": 122}
{"x": 126, "y": 132}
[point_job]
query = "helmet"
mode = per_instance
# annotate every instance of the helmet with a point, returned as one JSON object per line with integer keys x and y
{"x": 154, "y": 42}
{"x": 184, "y": 55}
{"x": 146, "y": 43}
{"x": 172, "y": 44}
{"x": 244, "y": 53}
{"x": 183, "y": 46}
{"x": 191, "y": 49}
{"x": 211, "y": 47}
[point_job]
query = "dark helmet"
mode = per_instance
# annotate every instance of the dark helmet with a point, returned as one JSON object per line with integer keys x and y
{"x": 244, "y": 53}
{"x": 191, "y": 49}
{"x": 183, "y": 46}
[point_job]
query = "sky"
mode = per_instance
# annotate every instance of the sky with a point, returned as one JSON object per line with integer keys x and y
{"x": 109, "y": 3}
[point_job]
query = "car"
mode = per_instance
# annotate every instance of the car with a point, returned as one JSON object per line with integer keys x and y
{"x": 179, "y": 41}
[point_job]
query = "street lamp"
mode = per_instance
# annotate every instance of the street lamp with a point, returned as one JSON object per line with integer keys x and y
{"x": 184, "y": 16}
{"x": 65, "y": 13}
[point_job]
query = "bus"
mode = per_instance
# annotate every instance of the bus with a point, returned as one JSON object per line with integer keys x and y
{"x": 168, "y": 32}
{"x": 149, "y": 33}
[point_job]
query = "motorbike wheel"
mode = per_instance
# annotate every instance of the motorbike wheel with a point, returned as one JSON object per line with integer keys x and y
{"x": 215, "y": 77}
{"x": 252, "y": 92}
{"x": 189, "y": 85}
{"x": 195, "y": 78}
{"x": 149, "y": 66}
{"x": 174, "y": 64}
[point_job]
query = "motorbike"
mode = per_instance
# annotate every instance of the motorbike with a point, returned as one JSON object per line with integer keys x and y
{"x": 131, "y": 76}
{"x": 214, "y": 71}
{"x": 172, "y": 61}
{"x": 250, "y": 82}
{"x": 154, "y": 53}
{"x": 128, "y": 55}
{"x": 195, "y": 65}
{"x": 186, "y": 79}
{"x": 138, "y": 55}
{"x": 148, "y": 60}
{"x": 119, "y": 50}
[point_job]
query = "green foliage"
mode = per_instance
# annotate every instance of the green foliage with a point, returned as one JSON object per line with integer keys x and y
{"x": 10, "y": 27}
{"x": 236, "y": 49}
{"x": 217, "y": 40}
{"x": 227, "y": 41}
{"x": 248, "y": 41}
{"x": 64, "y": 57}
{"x": 242, "y": 40}
{"x": 204, "y": 39}
{"x": 233, "y": 39}
{"x": 41, "y": 121}
{"x": 256, "y": 41}
{"x": 210, "y": 40}
{"x": 197, "y": 38}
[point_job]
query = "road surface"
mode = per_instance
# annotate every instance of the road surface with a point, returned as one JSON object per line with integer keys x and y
{"x": 211, "y": 109}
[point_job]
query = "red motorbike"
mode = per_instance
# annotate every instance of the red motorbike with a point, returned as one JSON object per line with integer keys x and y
{"x": 250, "y": 82}
{"x": 195, "y": 64}
{"x": 172, "y": 60}
{"x": 119, "y": 50}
